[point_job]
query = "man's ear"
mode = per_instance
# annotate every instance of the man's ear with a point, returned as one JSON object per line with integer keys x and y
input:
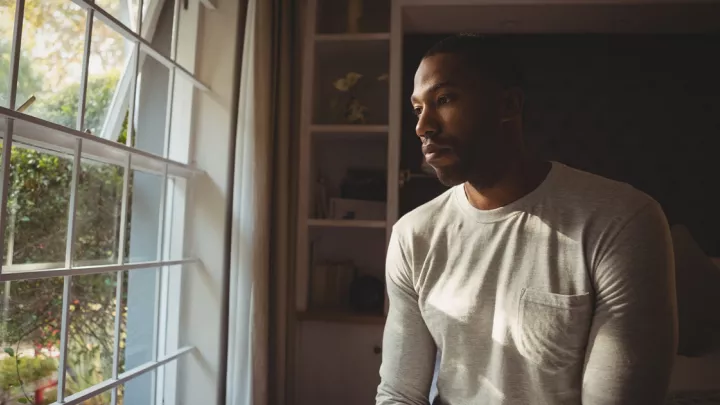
{"x": 513, "y": 101}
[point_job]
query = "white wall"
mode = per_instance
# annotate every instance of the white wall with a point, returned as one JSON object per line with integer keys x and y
{"x": 198, "y": 373}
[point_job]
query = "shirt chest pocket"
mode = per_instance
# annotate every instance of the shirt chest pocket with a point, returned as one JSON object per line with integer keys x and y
{"x": 552, "y": 329}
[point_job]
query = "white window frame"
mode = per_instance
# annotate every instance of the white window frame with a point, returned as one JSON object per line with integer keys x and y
{"x": 37, "y": 132}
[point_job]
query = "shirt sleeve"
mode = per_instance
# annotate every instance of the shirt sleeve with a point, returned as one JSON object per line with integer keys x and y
{"x": 408, "y": 355}
{"x": 633, "y": 337}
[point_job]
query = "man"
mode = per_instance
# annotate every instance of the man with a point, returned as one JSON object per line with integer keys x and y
{"x": 534, "y": 283}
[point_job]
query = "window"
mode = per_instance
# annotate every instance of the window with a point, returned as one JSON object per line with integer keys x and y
{"x": 95, "y": 110}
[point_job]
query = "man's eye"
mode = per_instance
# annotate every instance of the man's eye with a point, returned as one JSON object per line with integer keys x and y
{"x": 417, "y": 111}
{"x": 443, "y": 100}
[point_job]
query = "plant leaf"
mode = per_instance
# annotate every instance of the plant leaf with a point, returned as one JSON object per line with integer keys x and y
{"x": 10, "y": 351}
{"x": 341, "y": 84}
{"x": 352, "y": 78}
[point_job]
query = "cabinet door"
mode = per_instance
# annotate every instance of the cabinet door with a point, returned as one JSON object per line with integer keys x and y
{"x": 338, "y": 363}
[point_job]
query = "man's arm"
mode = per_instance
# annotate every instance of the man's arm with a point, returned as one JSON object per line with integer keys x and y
{"x": 633, "y": 338}
{"x": 408, "y": 358}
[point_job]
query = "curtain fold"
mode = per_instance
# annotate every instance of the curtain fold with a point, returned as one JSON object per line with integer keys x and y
{"x": 286, "y": 74}
{"x": 264, "y": 195}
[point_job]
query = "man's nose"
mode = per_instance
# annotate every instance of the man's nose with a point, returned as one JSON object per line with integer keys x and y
{"x": 427, "y": 124}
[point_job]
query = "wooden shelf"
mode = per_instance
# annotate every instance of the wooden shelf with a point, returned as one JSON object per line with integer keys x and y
{"x": 341, "y": 317}
{"x": 347, "y": 129}
{"x": 372, "y": 36}
{"x": 346, "y": 223}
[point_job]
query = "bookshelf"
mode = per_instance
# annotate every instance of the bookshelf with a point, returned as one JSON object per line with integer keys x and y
{"x": 347, "y": 202}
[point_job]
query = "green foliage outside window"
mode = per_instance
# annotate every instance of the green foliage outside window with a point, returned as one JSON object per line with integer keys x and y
{"x": 38, "y": 202}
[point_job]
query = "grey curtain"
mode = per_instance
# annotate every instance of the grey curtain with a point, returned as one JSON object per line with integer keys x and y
{"x": 262, "y": 234}
{"x": 286, "y": 92}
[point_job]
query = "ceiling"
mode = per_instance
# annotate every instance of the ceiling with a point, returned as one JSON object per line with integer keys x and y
{"x": 686, "y": 17}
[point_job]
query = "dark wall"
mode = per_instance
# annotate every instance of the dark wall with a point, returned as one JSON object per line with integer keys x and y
{"x": 640, "y": 109}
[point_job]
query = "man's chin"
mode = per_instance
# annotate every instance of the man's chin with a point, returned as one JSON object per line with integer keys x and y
{"x": 448, "y": 177}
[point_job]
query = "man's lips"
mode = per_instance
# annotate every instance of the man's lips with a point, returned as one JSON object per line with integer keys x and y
{"x": 433, "y": 151}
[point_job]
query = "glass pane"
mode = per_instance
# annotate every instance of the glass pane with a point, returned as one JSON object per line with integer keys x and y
{"x": 120, "y": 394}
{"x": 143, "y": 217}
{"x": 139, "y": 391}
{"x": 119, "y": 9}
{"x": 134, "y": 4}
{"x": 38, "y": 202}
{"x": 152, "y": 106}
{"x": 107, "y": 95}
{"x": 30, "y": 335}
{"x": 138, "y": 318}
{"x": 7, "y": 20}
{"x": 52, "y": 43}
{"x": 91, "y": 332}
{"x": 97, "y": 218}
{"x": 158, "y": 23}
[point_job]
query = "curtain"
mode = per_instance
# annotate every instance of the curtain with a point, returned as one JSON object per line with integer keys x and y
{"x": 263, "y": 207}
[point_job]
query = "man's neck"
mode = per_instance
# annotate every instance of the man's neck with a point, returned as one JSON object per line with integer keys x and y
{"x": 521, "y": 178}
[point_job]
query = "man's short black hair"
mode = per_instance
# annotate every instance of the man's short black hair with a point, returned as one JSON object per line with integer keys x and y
{"x": 489, "y": 55}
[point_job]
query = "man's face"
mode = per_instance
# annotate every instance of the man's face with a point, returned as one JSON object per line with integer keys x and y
{"x": 460, "y": 115}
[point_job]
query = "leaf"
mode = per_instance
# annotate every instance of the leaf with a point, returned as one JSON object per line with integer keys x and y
{"x": 10, "y": 351}
{"x": 341, "y": 84}
{"x": 23, "y": 400}
{"x": 352, "y": 78}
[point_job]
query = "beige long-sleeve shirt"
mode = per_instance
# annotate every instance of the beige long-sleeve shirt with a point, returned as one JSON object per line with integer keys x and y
{"x": 563, "y": 297}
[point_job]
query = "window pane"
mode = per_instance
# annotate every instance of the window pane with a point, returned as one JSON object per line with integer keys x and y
{"x": 139, "y": 391}
{"x": 52, "y": 43}
{"x": 91, "y": 333}
{"x": 30, "y": 333}
{"x": 144, "y": 217}
{"x": 7, "y": 18}
{"x": 119, "y": 9}
{"x": 120, "y": 394}
{"x": 38, "y": 201}
{"x": 161, "y": 14}
{"x": 152, "y": 106}
{"x": 108, "y": 91}
{"x": 135, "y": 4}
{"x": 139, "y": 318}
{"x": 97, "y": 218}
{"x": 126, "y": 11}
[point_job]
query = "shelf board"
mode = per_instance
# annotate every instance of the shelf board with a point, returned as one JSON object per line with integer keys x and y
{"x": 350, "y": 129}
{"x": 341, "y": 317}
{"x": 369, "y": 36}
{"x": 346, "y": 223}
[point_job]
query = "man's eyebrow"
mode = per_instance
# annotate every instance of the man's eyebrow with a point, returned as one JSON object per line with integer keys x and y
{"x": 435, "y": 87}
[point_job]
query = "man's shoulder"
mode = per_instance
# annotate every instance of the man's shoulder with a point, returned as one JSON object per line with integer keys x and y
{"x": 427, "y": 216}
{"x": 594, "y": 195}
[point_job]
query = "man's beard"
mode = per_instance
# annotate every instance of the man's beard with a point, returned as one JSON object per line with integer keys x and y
{"x": 481, "y": 176}
{"x": 453, "y": 175}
